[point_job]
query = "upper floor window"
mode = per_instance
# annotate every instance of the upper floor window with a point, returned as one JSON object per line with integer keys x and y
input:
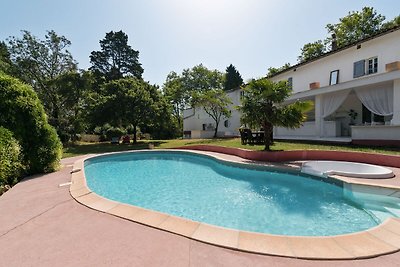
{"x": 290, "y": 83}
{"x": 334, "y": 77}
{"x": 372, "y": 65}
{"x": 363, "y": 67}
{"x": 359, "y": 69}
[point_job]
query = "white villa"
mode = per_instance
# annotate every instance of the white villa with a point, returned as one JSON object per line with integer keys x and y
{"x": 355, "y": 90}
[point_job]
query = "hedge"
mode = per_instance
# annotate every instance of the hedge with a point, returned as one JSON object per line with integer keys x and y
{"x": 23, "y": 114}
{"x": 11, "y": 167}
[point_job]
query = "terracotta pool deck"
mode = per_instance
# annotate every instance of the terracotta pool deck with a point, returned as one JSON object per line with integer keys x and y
{"x": 42, "y": 225}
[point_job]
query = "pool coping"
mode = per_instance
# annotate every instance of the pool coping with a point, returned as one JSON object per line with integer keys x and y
{"x": 380, "y": 240}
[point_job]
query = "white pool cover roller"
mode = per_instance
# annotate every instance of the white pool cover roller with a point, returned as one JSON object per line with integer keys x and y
{"x": 345, "y": 168}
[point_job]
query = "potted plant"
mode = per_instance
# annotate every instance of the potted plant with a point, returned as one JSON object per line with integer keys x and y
{"x": 353, "y": 115}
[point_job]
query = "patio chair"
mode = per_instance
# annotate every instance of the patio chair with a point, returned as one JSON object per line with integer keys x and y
{"x": 249, "y": 136}
{"x": 259, "y": 139}
{"x": 243, "y": 136}
{"x": 114, "y": 140}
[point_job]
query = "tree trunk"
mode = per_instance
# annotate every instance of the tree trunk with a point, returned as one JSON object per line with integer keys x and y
{"x": 134, "y": 134}
{"x": 268, "y": 128}
{"x": 216, "y": 130}
{"x": 180, "y": 122}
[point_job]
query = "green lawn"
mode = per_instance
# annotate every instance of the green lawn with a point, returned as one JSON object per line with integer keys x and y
{"x": 94, "y": 148}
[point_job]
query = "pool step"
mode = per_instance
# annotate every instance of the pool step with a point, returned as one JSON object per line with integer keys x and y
{"x": 394, "y": 211}
{"x": 382, "y": 212}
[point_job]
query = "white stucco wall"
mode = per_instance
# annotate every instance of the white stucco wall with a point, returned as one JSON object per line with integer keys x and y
{"x": 386, "y": 48}
{"x": 200, "y": 117}
{"x": 376, "y": 132}
{"x": 396, "y": 102}
{"x": 330, "y": 129}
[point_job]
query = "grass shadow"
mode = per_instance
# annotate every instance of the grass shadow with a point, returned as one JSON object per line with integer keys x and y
{"x": 105, "y": 147}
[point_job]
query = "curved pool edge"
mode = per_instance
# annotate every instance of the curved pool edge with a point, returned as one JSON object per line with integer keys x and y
{"x": 380, "y": 240}
{"x": 296, "y": 155}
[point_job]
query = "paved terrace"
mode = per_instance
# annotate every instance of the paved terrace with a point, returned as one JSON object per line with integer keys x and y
{"x": 42, "y": 225}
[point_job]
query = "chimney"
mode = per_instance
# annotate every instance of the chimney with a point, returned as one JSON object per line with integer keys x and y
{"x": 334, "y": 42}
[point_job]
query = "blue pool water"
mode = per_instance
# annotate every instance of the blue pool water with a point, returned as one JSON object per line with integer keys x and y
{"x": 205, "y": 190}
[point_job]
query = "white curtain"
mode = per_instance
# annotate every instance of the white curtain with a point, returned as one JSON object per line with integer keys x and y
{"x": 331, "y": 102}
{"x": 378, "y": 100}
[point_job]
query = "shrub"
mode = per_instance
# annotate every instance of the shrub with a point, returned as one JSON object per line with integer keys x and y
{"x": 92, "y": 138}
{"x": 23, "y": 114}
{"x": 11, "y": 167}
{"x": 115, "y": 132}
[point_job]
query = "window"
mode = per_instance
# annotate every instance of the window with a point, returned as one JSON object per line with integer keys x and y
{"x": 365, "y": 66}
{"x": 369, "y": 117}
{"x": 227, "y": 123}
{"x": 290, "y": 83}
{"x": 372, "y": 65}
{"x": 334, "y": 78}
{"x": 359, "y": 69}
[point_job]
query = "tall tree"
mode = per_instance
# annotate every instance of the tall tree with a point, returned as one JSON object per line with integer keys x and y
{"x": 200, "y": 79}
{"x": 74, "y": 88}
{"x": 177, "y": 96}
{"x": 116, "y": 59}
{"x": 5, "y": 61}
{"x": 262, "y": 106}
{"x": 123, "y": 102}
{"x": 356, "y": 25}
{"x": 392, "y": 23}
{"x": 272, "y": 71}
{"x": 215, "y": 103}
{"x": 233, "y": 79}
{"x": 39, "y": 63}
{"x": 312, "y": 50}
{"x": 163, "y": 123}
{"x": 183, "y": 90}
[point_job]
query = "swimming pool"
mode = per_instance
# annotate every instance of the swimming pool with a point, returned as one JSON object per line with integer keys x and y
{"x": 236, "y": 196}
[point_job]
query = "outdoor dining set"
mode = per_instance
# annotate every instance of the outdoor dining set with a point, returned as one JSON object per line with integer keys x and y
{"x": 250, "y": 137}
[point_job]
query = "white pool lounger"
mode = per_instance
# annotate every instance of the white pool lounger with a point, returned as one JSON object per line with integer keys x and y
{"x": 345, "y": 168}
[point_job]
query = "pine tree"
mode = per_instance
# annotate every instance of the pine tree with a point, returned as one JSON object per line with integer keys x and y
{"x": 116, "y": 59}
{"x": 233, "y": 79}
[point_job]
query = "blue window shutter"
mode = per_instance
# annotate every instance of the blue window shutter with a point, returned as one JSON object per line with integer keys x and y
{"x": 290, "y": 83}
{"x": 359, "y": 69}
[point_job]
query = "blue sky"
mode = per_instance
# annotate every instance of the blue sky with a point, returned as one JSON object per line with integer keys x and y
{"x": 172, "y": 35}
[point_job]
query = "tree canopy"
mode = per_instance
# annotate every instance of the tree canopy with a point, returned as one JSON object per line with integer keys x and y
{"x": 122, "y": 103}
{"x": 73, "y": 89}
{"x": 116, "y": 59}
{"x": 177, "y": 96}
{"x": 180, "y": 89}
{"x": 215, "y": 104}
{"x": 161, "y": 122}
{"x": 312, "y": 50}
{"x": 392, "y": 23}
{"x": 200, "y": 79}
{"x": 356, "y": 25}
{"x": 39, "y": 63}
{"x": 262, "y": 106}
{"x": 233, "y": 79}
{"x": 5, "y": 61}
{"x": 272, "y": 71}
